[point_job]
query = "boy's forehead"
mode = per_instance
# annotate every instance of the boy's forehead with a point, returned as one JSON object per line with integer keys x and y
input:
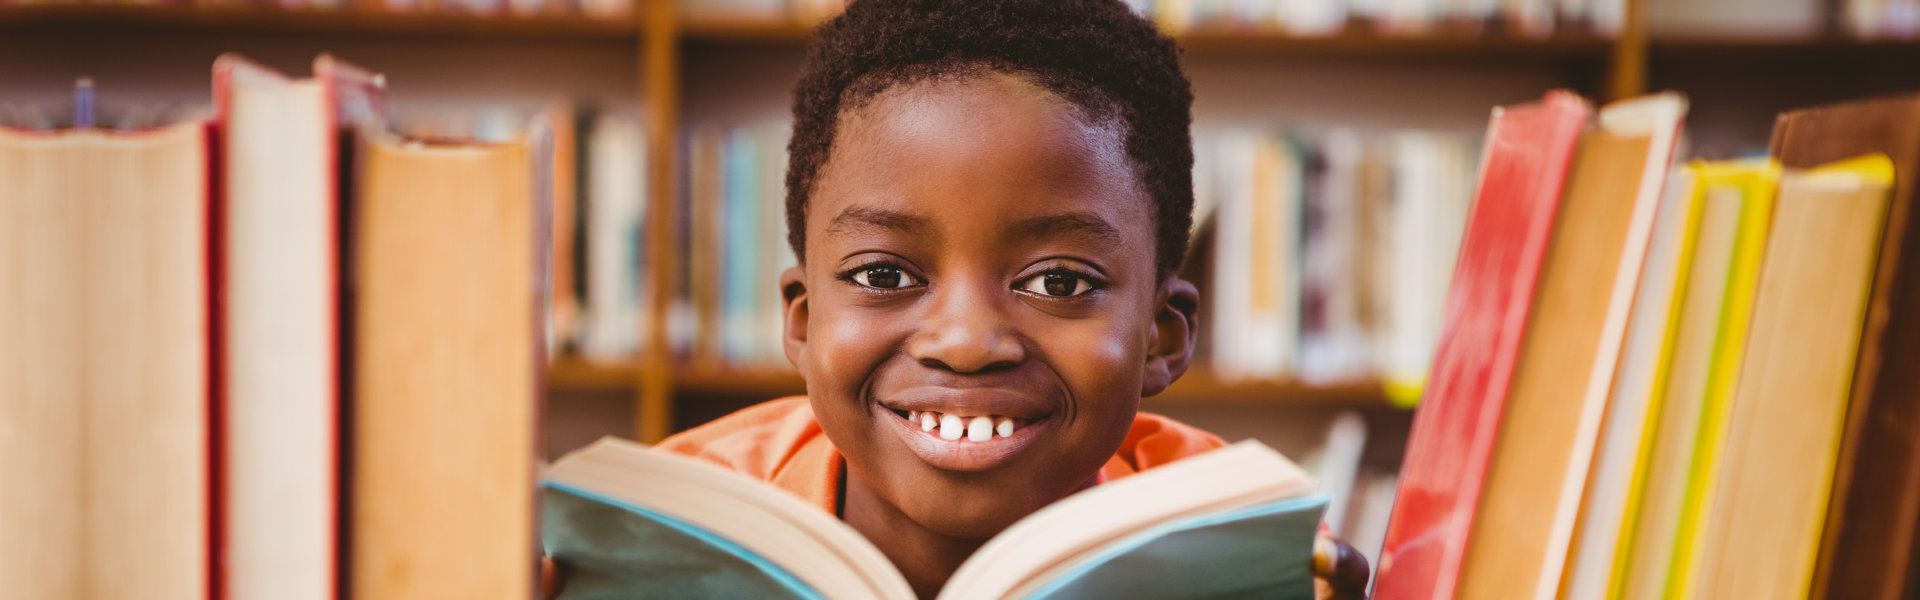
{"x": 954, "y": 145}
{"x": 985, "y": 133}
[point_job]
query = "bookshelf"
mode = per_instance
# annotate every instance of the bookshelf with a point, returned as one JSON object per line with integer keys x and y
{"x": 661, "y": 42}
{"x": 258, "y": 19}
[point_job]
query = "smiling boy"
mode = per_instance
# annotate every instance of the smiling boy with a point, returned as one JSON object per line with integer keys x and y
{"x": 990, "y": 201}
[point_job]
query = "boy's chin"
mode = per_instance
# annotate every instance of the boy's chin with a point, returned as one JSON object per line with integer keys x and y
{"x": 976, "y": 507}
{"x": 967, "y": 518}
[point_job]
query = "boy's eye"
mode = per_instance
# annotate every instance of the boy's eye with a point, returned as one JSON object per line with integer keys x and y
{"x": 884, "y": 277}
{"x": 1057, "y": 284}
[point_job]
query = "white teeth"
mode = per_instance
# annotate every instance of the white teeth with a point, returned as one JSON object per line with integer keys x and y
{"x": 980, "y": 429}
{"x": 928, "y": 421}
{"x": 1005, "y": 427}
{"x": 913, "y": 416}
{"x": 951, "y": 428}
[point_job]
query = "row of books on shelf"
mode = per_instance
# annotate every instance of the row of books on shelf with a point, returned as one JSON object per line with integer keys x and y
{"x": 1328, "y": 250}
{"x": 1882, "y": 19}
{"x": 594, "y": 9}
{"x": 274, "y": 353}
{"x": 1526, "y": 18}
{"x": 1332, "y": 249}
{"x": 1659, "y": 382}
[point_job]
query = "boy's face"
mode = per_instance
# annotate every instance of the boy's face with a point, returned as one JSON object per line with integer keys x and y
{"x": 975, "y": 248}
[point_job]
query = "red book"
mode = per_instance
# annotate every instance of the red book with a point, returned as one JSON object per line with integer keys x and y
{"x": 1528, "y": 150}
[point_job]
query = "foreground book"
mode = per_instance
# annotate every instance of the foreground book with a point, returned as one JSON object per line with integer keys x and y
{"x": 1529, "y": 149}
{"x": 1867, "y": 547}
{"x": 1565, "y": 374}
{"x": 446, "y": 346}
{"x": 277, "y": 177}
{"x": 103, "y": 372}
{"x": 628, "y": 522}
{"x": 1762, "y": 526}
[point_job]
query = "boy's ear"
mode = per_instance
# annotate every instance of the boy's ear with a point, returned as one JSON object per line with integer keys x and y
{"x": 1176, "y": 323}
{"x": 793, "y": 331}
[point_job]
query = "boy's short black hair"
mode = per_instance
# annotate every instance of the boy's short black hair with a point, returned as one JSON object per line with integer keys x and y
{"x": 1098, "y": 55}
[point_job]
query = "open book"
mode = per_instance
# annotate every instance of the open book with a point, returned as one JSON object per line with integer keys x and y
{"x": 628, "y": 522}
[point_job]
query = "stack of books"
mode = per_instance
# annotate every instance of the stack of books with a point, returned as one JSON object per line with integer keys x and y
{"x": 1660, "y": 382}
{"x": 274, "y": 353}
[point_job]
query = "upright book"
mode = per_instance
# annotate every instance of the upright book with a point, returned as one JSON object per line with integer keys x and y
{"x": 1537, "y": 477}
{"x": 633, "y": 523}
{"x": 1750, "y": 185}
{"x": 278, "y": 384}
{"x": 1763, "y": 519}
{"x": 446, "y": 348}
{"x": 103, "y": 376}
{"x": 1529, "y": 148}
{"x": 1872, "y": 520}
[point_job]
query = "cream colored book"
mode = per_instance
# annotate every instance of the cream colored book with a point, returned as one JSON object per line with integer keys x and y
{"x": 1645, "y": 548}
{"x": 103, "y": 374}
{"x": 628, "y": 522}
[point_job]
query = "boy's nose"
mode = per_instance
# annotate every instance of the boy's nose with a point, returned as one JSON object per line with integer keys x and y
{"x": 964, "y": 333}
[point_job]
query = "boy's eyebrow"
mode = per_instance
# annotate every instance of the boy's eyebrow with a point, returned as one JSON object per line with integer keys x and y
{"x": 1071, "y": 223}
{"x": 852, "y": 217}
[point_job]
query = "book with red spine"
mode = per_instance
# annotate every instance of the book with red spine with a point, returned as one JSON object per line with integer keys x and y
{"x": 278, "y": 399}
{"x": 1529, "y": 148}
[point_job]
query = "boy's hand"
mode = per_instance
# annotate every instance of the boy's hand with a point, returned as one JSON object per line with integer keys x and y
{"x": 1339, "y": 571}
{"x": 551, "y": 581}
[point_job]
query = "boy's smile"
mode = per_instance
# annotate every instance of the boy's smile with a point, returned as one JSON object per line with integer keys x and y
{"x": 962, "y": 424}
{"x": 978, "y": 312}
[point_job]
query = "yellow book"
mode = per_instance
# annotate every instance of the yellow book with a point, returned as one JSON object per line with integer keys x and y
{"x": 1754, "y": 182}
{"x": 1762, "y": 520}
{"x": 1682, "y": 210}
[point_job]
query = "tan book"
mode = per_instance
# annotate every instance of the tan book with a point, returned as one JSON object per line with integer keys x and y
{"x": 446, "y": 347}
{"x": 1789, "y": 407}
{"x": 1525, "y": 520}
{"x": 103, "y": 378}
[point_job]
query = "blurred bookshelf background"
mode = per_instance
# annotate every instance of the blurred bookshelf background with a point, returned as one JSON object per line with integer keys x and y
{"x": 1359, "y": 118}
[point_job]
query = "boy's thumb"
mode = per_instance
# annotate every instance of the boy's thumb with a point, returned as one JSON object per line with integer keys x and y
{"x": 551, "y": 581}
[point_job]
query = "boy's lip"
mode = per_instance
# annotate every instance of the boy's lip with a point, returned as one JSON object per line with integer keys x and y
{"x": 972, "y": 402}
{"x": 962, "y": 454}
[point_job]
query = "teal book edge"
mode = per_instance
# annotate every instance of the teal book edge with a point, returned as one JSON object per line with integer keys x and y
{"x": 1263, "y": 551}
{"x": 616, "y": 550}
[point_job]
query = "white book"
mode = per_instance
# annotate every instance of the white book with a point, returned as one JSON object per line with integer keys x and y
{"x": 1431, "y": 197}
{"x": 1256, "y": 269}
{"x": 1339, "y": 348}
{"x": 281, "y": 318}
{"x": 615, "y": 204}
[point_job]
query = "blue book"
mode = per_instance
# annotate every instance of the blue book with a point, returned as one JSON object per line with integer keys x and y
{"x": 628, "y": 522}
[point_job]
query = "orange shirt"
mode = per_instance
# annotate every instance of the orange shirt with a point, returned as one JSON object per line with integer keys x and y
{"x": 780, "y": 442}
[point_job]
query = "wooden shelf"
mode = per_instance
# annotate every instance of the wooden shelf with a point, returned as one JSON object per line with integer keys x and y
{"x": 1364, "y": 42}
{"x": 1823, "y": 50}
{"x": 775, "y": 31}
{"x": 574, "y": 374}
{"x": 1353, "y": 42}
{"x": 1201, "y": 385}
{"x": 44, "y": 17}
{"x": 761, "y": 383}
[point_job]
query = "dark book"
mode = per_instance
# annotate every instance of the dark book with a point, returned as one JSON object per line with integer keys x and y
{"x": 1867, "y": 546}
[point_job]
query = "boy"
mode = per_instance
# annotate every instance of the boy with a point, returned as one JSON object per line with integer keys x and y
{"x": 989, "y": 201}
